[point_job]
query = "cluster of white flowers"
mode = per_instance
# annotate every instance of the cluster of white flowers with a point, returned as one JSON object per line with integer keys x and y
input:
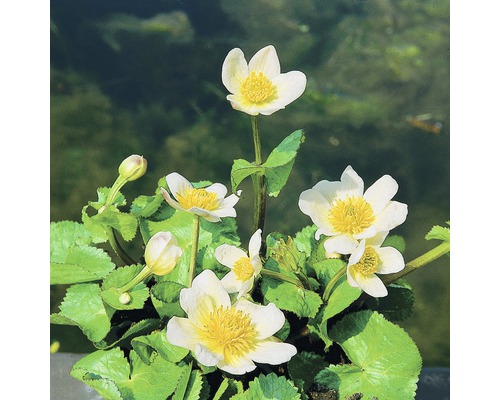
{"x": 219, "y": 333}
{"x": 357, "y": 223}
{"x": 235, "y": 335}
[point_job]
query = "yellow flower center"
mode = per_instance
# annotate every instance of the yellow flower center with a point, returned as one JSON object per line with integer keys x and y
{"x": 352, "y": 215}
{"x": 257, "y": 88}
{"x": 198, "y": 198}
{"x": 368, "y": 263}
{"x": 229, "y": 332}
{"x": 243, "y": 269}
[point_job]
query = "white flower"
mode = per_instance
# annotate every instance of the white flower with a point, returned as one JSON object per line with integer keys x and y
{"x": 368, "y": 259}
{"x": 244, "y": 268}
{"x": 340, "y": 209}
{"x": 259, "y": 87}
{"x": 162, "y": 253}
{"x": 208, "y": 203}
{"x": 231, "y": 337}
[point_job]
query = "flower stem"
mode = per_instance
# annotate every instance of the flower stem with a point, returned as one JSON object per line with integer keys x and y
{"x": 259, "y": 183}
{"x": 194, "y": 248}
{"x": 331, "y": 284}
{"x": 145, "y": 272}
{"x": 111, "y": 233}
{"x": 282, "y": 277}
{"x": 426, "y": 258}
{"x": 120, "y": 252}
{"x": 119, "y": 183}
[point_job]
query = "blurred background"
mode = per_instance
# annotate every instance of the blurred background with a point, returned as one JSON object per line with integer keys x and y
{"x": 130, "y": 77}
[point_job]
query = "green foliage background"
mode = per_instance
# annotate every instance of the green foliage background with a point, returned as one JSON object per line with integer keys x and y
{"x": 120, "y": 86}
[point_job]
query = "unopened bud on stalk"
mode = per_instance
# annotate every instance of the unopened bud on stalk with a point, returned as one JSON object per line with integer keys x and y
{"x": 133, "y": 167}
{"x": 124, "y": 298}
{"x": 162, "y": 253}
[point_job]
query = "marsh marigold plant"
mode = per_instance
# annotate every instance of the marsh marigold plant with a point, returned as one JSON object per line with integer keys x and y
{"x": 181, "y": 309}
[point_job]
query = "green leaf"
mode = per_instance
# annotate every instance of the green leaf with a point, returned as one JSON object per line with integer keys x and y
{"x": 117, "y": 335}
{"x": 180, "y": 390}
{"x": 304, "y": 366}
{"x": 138, "y": 296}
{"x": 84, "y": 306}
{"x": 287, "y": 296}
{"x": 157, "y": 343}
{"x": 101, "y": 370}
{"x": 228, "y": 388}
{"x": 63, "y": 236}
{"x": 145, "y": 206}
{"x": 123, "y": 381}
{"x": 165, "y": 297}
{"x": 398, "y": 304}
{"x": 240, "y": 170}
{"x": 305, "y": 240}
{"x": 116, "y": 279}
{"x": 280, "y": 162}
{"x": 439, "y": 233}
{"x": 109, "y": 217}
{"x": 270, "y": 387}
{"x": 342, "y": 297}
{"x": 83, "y": 263}
{"x": 72, "y": 259}
{"x": 385, "y": 360}
{"x": 395, "y": 241}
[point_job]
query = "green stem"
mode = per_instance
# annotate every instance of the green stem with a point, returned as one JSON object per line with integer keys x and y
{"x": 145, "y": 272}
{"x": 259, "y": 183}
{"x": 282, "y": 277}
{"x": 194, "y": 248}
{"x": 331, "y": 284}
{"x": 119, "y": 183}
{"x": 431, "y": 255}
{"x": 120, "y": 252}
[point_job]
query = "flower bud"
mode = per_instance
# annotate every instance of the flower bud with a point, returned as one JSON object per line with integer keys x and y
{"x": 287, "y": 255}
{"x": 162, "y": 253}
{"x": 124, "y": 298}
{"x": 133, "y": 167}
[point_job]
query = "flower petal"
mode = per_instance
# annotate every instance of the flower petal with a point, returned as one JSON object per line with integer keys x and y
{"x": 206, "y": 357}
{"x": 240, "y": 103}
{"x": 289, "y": 87}
{"x": 380, "y": 193}
{"x": 208, "y": 283}
{"x": 357, "y": 253}
{"x": 204, "y": 296}
{"x": 267, "y": 319}
{"x": 234, "y": 70}
{"x": 181, "y": 332}
{"x": 219, "y": 189}
{"x": 329, "y": 190}
{"x": 230, "y": 201}
{"x": 343, "y": 244}
{"x": 227, "y": 254}
{"x": 177, "y": 184}
{"x": 391, "y": 260}
{"x": 207, "y": 215}
{"x": 239, "y": 366}
{"x": 370, "y": 284}
{"x": 273, "y": 352}
{"x": 171, "y": 202}
{"x": 391, "y": 216}
{"x": 255, "y": 243}
{"x": 230, "y": 283}
{"x": 266, "y": 61}
{"x": 378, "y": 239}
{"x": 317, "y": 207}
{"x": 352, "y": 184}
